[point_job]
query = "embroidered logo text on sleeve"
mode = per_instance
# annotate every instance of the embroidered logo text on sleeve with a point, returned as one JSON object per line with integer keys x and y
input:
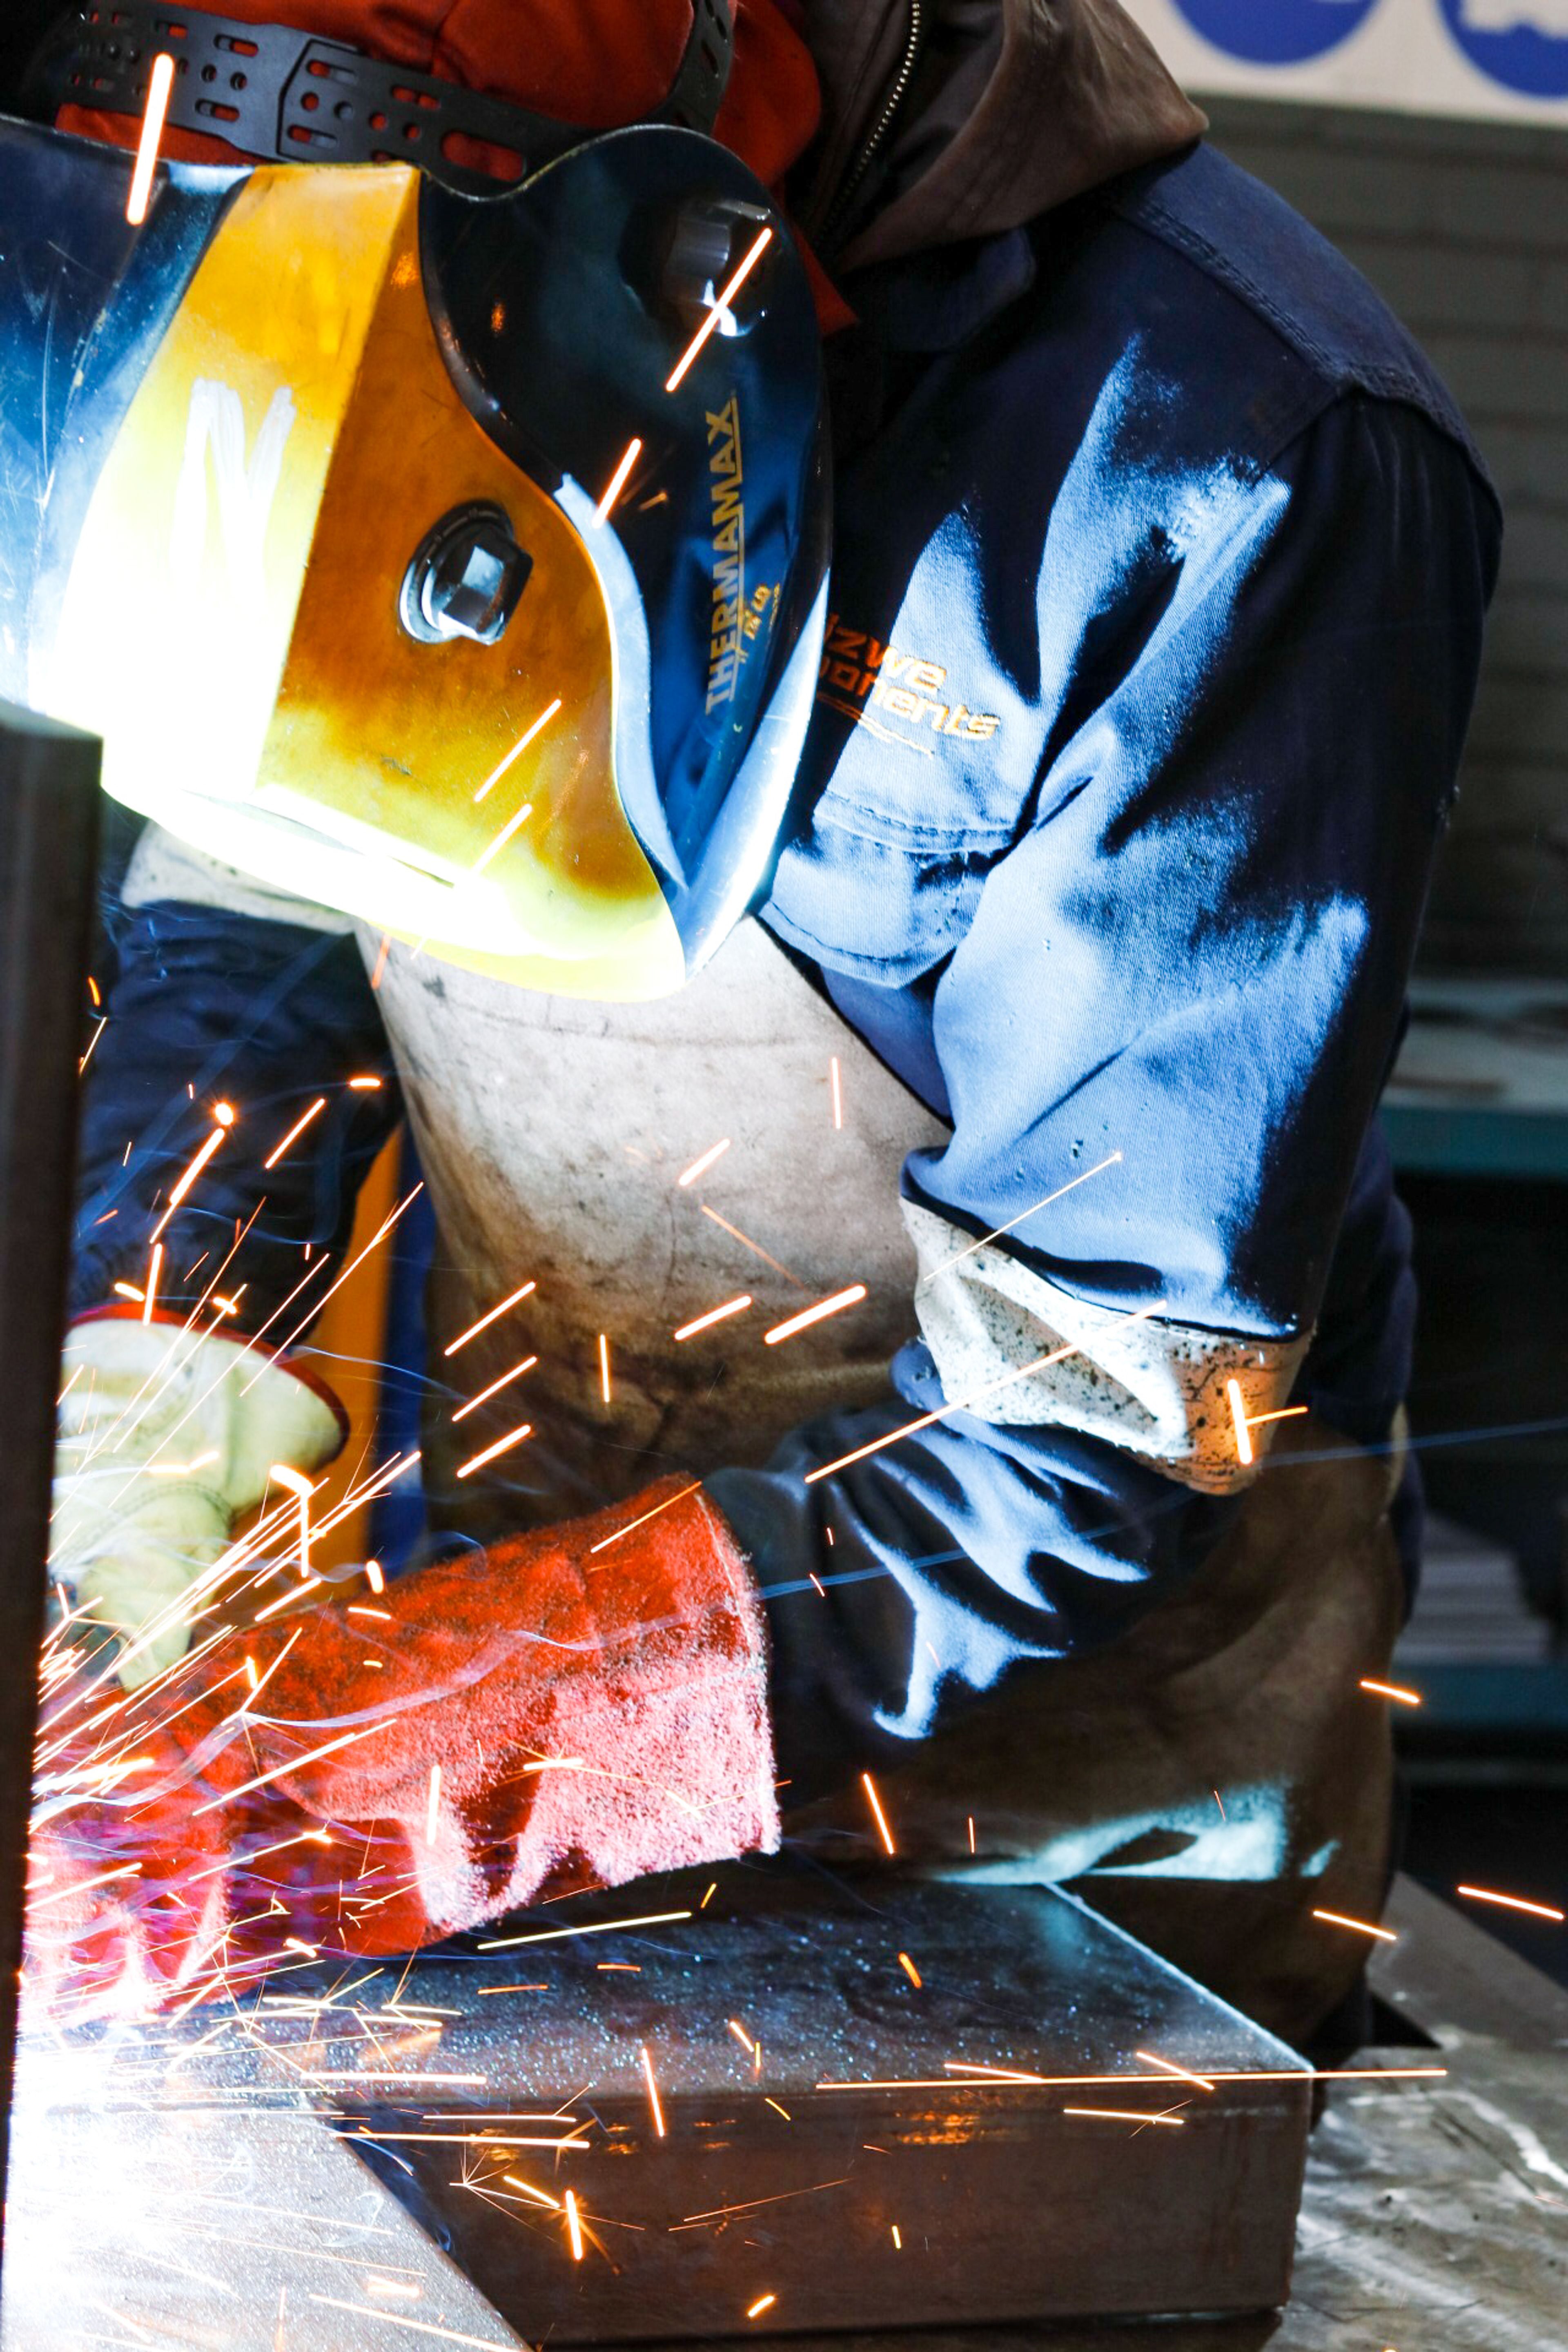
{"x": 861, "y": 675}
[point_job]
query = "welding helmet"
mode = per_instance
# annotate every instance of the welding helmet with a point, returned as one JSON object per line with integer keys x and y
{"x": 448, "y": 555}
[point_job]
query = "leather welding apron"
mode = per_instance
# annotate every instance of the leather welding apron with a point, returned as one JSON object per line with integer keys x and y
{"x": 1208, "y": 1780}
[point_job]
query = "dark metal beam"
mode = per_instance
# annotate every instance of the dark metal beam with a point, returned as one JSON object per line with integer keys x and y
{"x": 49, "y": 839}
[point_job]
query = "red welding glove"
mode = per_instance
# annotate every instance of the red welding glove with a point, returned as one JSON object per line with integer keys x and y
{"x": 583, "y": 1704}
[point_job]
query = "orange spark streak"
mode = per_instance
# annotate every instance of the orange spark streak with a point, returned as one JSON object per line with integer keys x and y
{"x": 1238, "y": 1416}
{"x": 158, "y": 88}
{"x": 972, "y": 1833}
{"x": 294, "y": 1764}
{"x": 838, "y": 1090}
{"x": 909, "y": 1970}
{"x": 764, "y": 2303}
{"x": 653, "y": 2098}
{"x": 617, "y": 481}
{"x": 875, "y": 1804}
{"x": 1172, "y": 2068}
{"x": 755, "y": 1248}
{"x": 475, "y": 1328}
{"x": 573, "y": 2226}
{"x": 433, "y": 1806}
{"x": 297, "y": 1129}
{"x": 258, "y": 1853}
{"x": 823, "y": 1307}
{"x": 728, "y": 295}
{"x": 737, "y": 1305}
{"x": 364, "y": 1086}
{"x": 959, "y": 1404}
{"x": 605, "y": 1928}
{"x": 495, "y": 1388}
{"x": 503, "y": 1446}
{"x": 1390, "y": 1690}
{"x": 184, "y": 1183}
{"x": 997, "y": 1231}
{"x": 1125, "y": 2116}
{"x": 381, "y": 956}
{"x": 503, "y": 836}
{"x": 996, "y": 2078}
{"x": 1511, "y": 1902}
{"x": 700, "y": 1166}
{"x": 88, "y": 1056}
{"x": 632, "y": 1525}
{"x": 155, "y": 1268}
{"x": 520, "y": 745}
{"x": 1361, "y": 1927}
{"x": 526, "y": 2188}
{"x": 604, "y": 1366}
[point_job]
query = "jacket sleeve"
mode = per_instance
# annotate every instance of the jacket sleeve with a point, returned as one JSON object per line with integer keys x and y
{"x": 208, "y": 1006}
{"x": 1193, "y": 955}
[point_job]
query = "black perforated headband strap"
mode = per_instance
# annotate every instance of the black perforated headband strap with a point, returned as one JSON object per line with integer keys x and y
{"x": 275, "y": 93}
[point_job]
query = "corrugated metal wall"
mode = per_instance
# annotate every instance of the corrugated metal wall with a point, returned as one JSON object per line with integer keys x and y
{"x": 1463, "y": 228}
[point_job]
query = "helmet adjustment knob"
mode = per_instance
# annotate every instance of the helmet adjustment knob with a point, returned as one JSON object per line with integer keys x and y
{"x": 466, "y": 577}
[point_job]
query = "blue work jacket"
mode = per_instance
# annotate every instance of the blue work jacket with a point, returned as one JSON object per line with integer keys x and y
{"x": 1161, "y": 562}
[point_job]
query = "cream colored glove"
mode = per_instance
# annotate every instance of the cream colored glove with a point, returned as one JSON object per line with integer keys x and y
{"x": 165, "y": 1439}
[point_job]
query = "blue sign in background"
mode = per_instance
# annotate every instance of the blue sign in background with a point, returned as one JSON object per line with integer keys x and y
{"x": 1286, "y": 32}
{"x": 1524, "y": 44}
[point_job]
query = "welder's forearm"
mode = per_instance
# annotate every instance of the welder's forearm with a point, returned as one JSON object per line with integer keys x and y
{"x": 904, "y": 1587}
{"x": 212, "y": 1009}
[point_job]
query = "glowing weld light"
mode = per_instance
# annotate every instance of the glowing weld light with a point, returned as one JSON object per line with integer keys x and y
{"x": 520, "y": 745}
{"x": 1511, "y": 1902}
{"x": 653, "y": 2097}
{"x": 1361, "y": 1927}
{"x": 721, "y": 307}
{"x": 824, "y": 1306}
{"x": 475, "y": 1328}
{"x": 715, "y": 1315}
{"x": 875, "y": 1802}
{"x": 157, "y": 108}
{"x": 617, "y": 481}
{"x": 699, "y": 1167}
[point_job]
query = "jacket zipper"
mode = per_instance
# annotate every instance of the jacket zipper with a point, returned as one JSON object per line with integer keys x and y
{"x": 884, "y": 123}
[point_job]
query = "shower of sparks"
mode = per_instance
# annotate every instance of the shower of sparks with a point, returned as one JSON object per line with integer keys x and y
{"x": 719, "y": 310}
{"x": 493, "y": 1453}
{"x": 486, "y": 1320}
{"x": 1124, "y": 2115}
{"x": 617, "y": 482}
{"x": 810, "y": 1315}
{"x": 1169, "y": 2066}
{"x": 700, "y": 1166}
{"x": 909, "y": 1970}
{"x": 433, "y": 1806}
{"x": 632, "y": 1525}
{"x": 837, "y": 1087}
{"x": 737, "y": 1305}
{"x": 755, "y": 1248}
{"x": 1033, "y": 1209}
{"x": 653, "y": 2098}
{"x": 872, "y": 1799}
{"x": 154, "y": 1269}
{"x": 159, "y": 84}
{"x": 764, "y": 2303}
{"x": 495, "y": 1388}
{"x": 1246, "y": 1422}
{"x": 296, "y": 1131}
{"x": 1511, "y": 1903}
{"x": 600, "y": 1928}
{"x": 573, "y": 2226}
{"x": 958, "y": 1404}
{"x": 518, "y": 749}
{"x": 1391, "y": 1690}
{"x": 1361, "y": 1927}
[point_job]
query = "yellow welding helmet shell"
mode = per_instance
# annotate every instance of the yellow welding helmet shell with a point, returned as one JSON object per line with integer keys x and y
{"x": 407, "y": 580}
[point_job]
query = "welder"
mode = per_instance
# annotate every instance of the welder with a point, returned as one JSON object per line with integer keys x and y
{"x": 1009, "y": 925}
